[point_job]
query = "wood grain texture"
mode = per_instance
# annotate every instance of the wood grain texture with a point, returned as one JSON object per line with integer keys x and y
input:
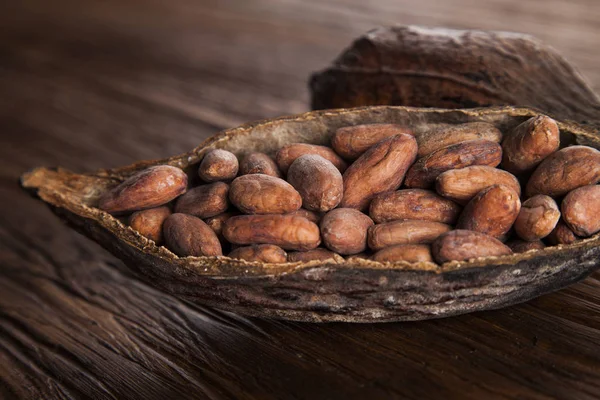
{"x": 90, "y": 84}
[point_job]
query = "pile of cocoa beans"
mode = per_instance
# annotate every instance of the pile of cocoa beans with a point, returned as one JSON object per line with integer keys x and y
{"x": 379, "y": 192}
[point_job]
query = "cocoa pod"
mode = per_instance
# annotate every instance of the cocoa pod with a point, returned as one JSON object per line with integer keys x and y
{"x": 475, "y": 152}
{"x": 404, "y": 232}
{"x": 288, "y": 154}
{"x": 149, "y": 188}
{"x": 312, "y": 255}
{"x": 359, "y": 256}
{"x": 561, "y": 234}
{"x": 462, "y": 245}
{"x": 259, "y": 163}
{"x": 538, "y": 217}
{"x": 218, "y": 165}
{"x": 263, "y": 194}
{"x": 461, "y": 185}
{"x": 413, "y": 204}
{"x": 404, "y": 252}
{"x": 290, "y": 232}
{"x": 318, "y": 181}
{"x": 492, "y": 211}
{"x": 565, "y": 170}
{"x": 438, "y": 138}
{"x": 521, "y": 246}
{"x": 149, "y": 223}
{"x": 529, "y": 143}
{"x": 186, "y": 235}
{"x": 378, "y": 170}
{"x": 344, "y": 230}
{"x": 352, "y": 141}
{"x": 581, "y": 210}
{"x": 266, "y": 253}
{"x": 204, "y": 201}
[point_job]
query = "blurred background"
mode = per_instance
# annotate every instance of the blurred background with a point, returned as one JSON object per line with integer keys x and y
{"x": 186, "y": 68}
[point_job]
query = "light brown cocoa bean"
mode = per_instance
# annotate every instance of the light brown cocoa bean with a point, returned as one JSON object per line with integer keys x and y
{"x": 538, "y": 217}
{"x": 404, "y": 252}
{"x": 413, "y": 204}
{"x": 149, "y": 188}
{"x": 352, "y": 141}
{"x": 312, "y": 255}
{"x": 216, "y": 223}
{"x": 521, "y": 246}
{"x": 378, "y": 170}
{"x": 259, "y": 163}
{"x": 186, "y": 235}
{"x": 492, "y": 211}
{"x": 318, "y": 181}
{"x": 461, "y": 185}
{"x": 149, "y": 223}
{"x": 405, "y": 232}
{"x": 265, "y": 253}
{"x": 205, "y": 200}
{"x": 529, "y": 143}
{"x": 581, "y": 210}
{"x": 561, "y": 234}
{"x": 461, "y": 245}
{"x": 288, "y": 154}
{"x": 218, "y": 165}
{"x": 309, "y": 215}
{"x": 344, "y": 230}
{"x": 565, "y": 170}
{"x": 290, "y": 232}
{"x": 263, "y": 194}
{"x": 435, "y": 139}
{"x": 475, "y": 152}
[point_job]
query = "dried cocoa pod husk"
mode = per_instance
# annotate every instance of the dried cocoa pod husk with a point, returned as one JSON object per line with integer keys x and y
{"x": 354, "y": 290}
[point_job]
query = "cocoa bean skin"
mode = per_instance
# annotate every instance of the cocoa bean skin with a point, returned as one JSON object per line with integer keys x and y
{"x": 435, "y": 139}
{"x": 538, "y": 217}
{"x": 263, "y": 194}
{"x": 318, "y": 181}
{"x": 561, "y": 234}
{"x": 462, "y": 245}
{"x": 152, "y": 187}
{"x": 218, "y": 165}
{"x": 351, "y": 142}
{"x": 309, "y": 215}
{"x": 492, "y": 211}
{"x": 565, "y": 170}
{"x": 413, "y": 204}
{"x": 529, "y": 143}
{"x": 216, "y": 223}
{"x": 149, "y": 223}
{"x": 186, "y": 235}
{"x": 461, "y": 185}
{"x": 405, "y": 232}
{"x": 288, "y": 154}
{"x": 259, "y": 163}
{"x": 404, "y": 252}
{"x": 581, "y": 210}
{"x": 378, "y": 170}
{"x": 290, "y": 232}
{"x": 521, "y": 246}
{"x": 312, "y": 255}
{"x": 475, "y": 152}
{"x": 204, "y": 201}
{"x": 265, "y": 253}
{"x": 344, "y": 230}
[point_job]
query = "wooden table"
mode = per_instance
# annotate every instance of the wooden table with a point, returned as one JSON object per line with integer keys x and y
{"x": 91, "y": 84}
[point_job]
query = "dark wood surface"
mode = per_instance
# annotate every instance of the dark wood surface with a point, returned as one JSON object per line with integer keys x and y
{"x": 91, "y": 84}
